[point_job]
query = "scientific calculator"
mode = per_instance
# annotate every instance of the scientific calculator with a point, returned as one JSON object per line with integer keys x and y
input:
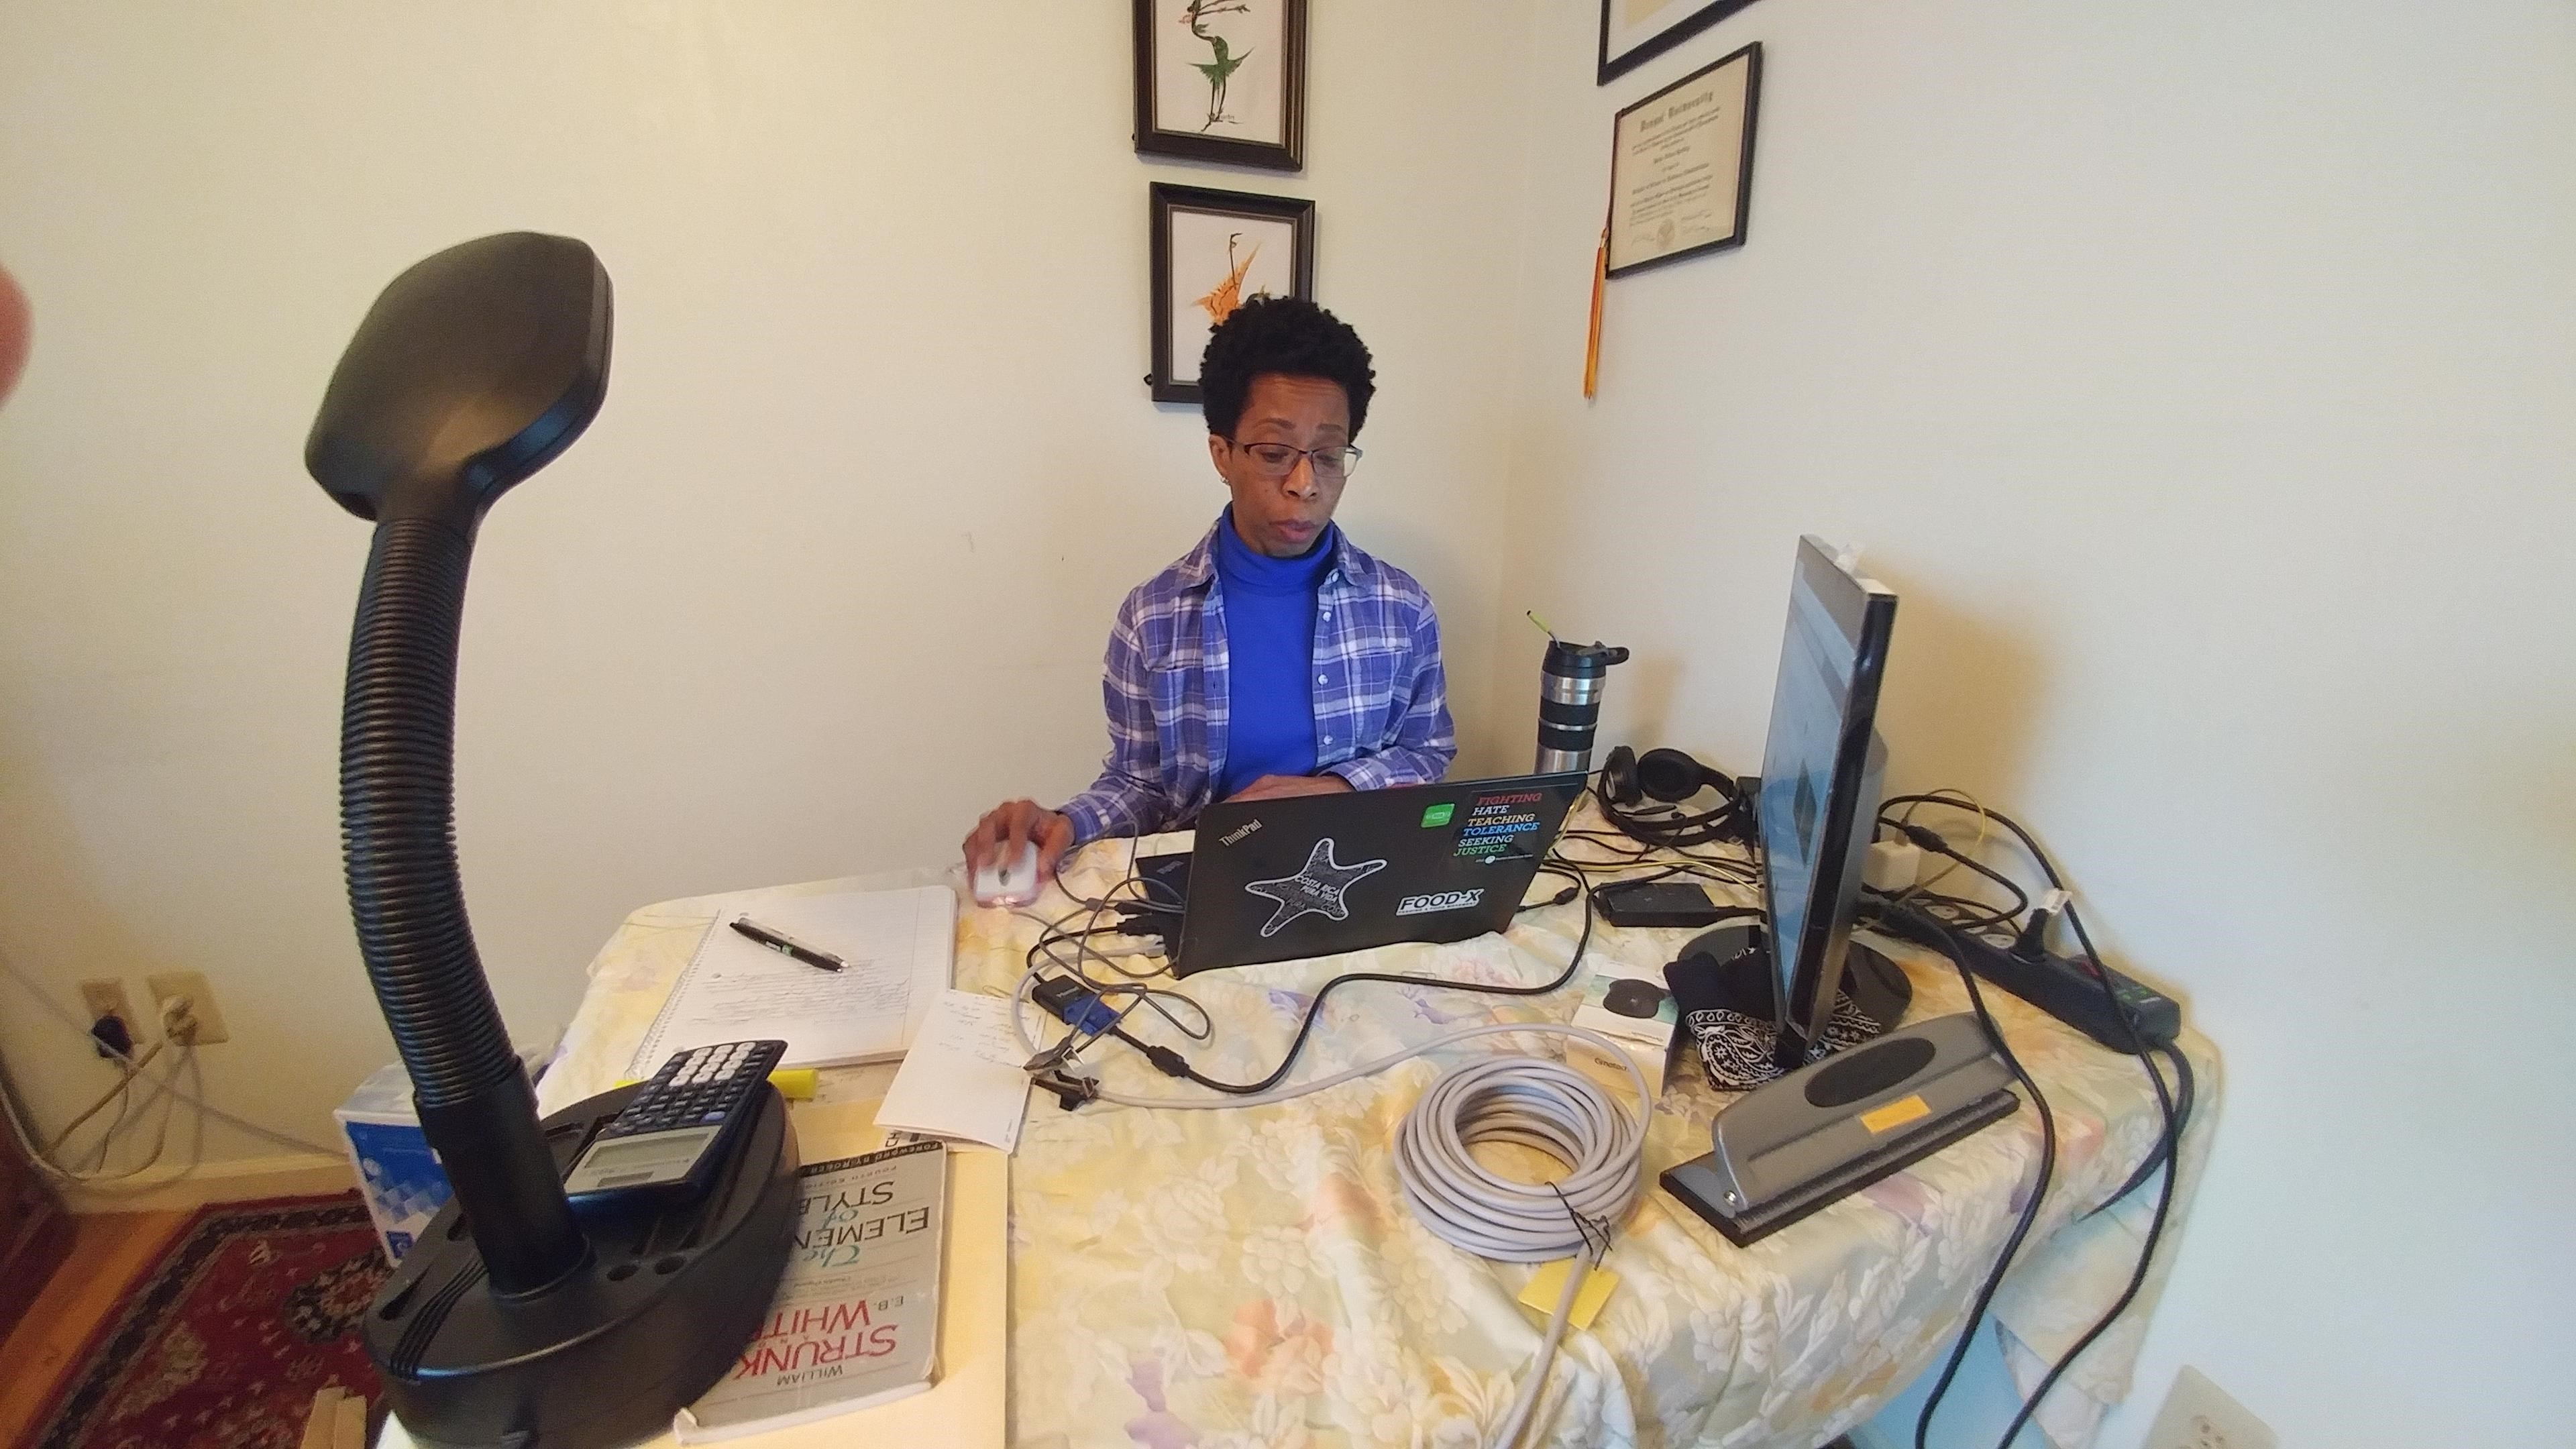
{"x": 669, "y": 1138}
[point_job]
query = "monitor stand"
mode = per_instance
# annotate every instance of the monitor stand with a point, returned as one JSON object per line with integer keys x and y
{"x": 1878, "y": 987}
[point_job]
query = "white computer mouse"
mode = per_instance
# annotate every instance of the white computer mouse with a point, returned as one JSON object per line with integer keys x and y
{"x": 1011, "y": 884}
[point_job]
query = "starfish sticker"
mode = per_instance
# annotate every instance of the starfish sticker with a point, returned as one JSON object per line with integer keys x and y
{"x": 1315, "y": 890}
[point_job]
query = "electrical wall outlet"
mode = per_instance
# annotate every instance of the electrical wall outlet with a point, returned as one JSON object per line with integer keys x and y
{"x": 105, "y": 996}
{"x": 201, "y": 1002}
{"x": 2198, "y": 1414}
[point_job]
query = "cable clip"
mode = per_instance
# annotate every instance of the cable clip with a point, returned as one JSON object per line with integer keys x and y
{"x": 1070, "y": 1090}
{"x": 1055, "y": 1056}
{"x": 1594, "y": 1231}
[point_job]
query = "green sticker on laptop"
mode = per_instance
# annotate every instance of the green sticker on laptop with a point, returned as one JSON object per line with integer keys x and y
{"x": 1439, "y": 814}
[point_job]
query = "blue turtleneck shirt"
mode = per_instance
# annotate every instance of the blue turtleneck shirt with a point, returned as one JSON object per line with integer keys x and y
{"x": 1270, "y": 647}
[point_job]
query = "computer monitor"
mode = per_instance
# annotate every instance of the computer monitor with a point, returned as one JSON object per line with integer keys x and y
{"x": 1822, "y": 769}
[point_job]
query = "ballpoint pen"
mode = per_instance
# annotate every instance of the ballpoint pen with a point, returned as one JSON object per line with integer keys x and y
{"x": 788, "y": 946}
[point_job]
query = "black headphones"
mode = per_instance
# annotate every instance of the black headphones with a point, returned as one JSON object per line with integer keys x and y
{"x": 1671, "y": 777}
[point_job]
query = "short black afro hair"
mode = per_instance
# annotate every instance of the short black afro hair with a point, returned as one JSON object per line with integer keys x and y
{"x": 1284, "y": 335}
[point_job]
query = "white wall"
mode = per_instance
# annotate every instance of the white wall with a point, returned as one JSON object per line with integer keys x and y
{"x": 2204, "y": 379}
{"x": 829, "y": 575}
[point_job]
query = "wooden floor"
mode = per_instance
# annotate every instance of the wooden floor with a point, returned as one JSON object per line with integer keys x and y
{"x": 109, "y": 1252}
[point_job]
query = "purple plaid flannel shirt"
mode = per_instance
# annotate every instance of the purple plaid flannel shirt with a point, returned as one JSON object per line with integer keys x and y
{"x": 1381, "y": 695}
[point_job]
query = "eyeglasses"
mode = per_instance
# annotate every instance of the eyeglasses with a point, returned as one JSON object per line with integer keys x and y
{"x": 1278, "y": 460}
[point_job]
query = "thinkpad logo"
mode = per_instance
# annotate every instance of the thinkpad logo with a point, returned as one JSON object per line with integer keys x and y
{"x": 1439, "y": 901}
{"x": 1238, "y": 832}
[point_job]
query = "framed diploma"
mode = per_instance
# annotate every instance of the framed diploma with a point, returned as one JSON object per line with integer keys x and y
{"x": 1681, "y": 166}
{"x": 1212, "y": 252}
{"x": 1636, "y": 31}
{"x": 1222, "y": 80}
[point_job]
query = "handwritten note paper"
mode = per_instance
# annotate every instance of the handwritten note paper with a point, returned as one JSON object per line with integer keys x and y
{"x": 898, "y": 946}
{"x": 962, "y": 1078}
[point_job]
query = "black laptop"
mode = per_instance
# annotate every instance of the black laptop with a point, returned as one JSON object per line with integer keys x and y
{"x": 1317, "y": 875}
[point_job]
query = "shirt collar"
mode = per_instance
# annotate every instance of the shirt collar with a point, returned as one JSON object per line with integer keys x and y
{"x": 1197, "y": 568}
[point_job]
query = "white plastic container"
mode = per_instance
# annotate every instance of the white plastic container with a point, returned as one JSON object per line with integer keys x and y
{"x": 397, "y": 1173}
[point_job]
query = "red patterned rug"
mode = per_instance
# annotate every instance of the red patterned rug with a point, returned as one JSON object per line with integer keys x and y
{"x": 223, "y": 1343}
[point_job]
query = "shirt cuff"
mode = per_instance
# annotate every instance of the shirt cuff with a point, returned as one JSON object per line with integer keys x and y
{"x": 1089, "y": 821}
{"x": 1363, "y": 772}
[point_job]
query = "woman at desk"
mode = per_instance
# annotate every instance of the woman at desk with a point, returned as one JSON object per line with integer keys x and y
{"x": 1274, "y": 658}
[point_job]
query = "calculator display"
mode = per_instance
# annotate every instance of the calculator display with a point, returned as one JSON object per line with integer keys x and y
{"x": 627, "y": 1162}
{"x": 668, "y": 1138}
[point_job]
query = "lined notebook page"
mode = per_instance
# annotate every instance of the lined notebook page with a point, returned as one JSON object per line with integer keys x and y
{"x": 898, "y": 945}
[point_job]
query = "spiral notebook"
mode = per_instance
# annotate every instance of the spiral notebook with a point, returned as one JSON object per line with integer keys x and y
{"x": 899, "y": 946}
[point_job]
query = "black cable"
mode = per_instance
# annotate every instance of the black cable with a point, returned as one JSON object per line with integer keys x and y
{"x": 1672, "y": 827}
{"x": 1675, "y": 830}
{"x": 1146, "y": 886}
{"x": 2039, "y": 857}
{"x": 1932, "y": 840}
{"x": 1701, "y": 867}
{"x": 1641, "y": 848}
{"x": 2185, "y": 1089}
{"x": 1668, "y": 825}
{"x": 1144, "y": 995}
{"x": 1315, "y": 1008}
{"x": 1564, "y": 897}
{"x": 1052, "y": 936}
{"x": 2169, "y": 1146}
{"x": 2029, "y": 1211}
{"x": 1973, "y": 916}
{"x": 2137, "y": 1275}
{"x": 1629, "y": 852}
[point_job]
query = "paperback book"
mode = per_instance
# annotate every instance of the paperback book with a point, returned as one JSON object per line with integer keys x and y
{"x": 856, "y": 1319}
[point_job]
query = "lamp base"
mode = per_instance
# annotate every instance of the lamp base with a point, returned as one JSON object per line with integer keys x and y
{"x": 651, "y": 1320}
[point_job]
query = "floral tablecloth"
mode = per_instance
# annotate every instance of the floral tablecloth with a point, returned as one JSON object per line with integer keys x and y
{"x": 1254, "y": 1278}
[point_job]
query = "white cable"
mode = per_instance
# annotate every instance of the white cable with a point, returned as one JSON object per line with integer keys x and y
{"x": 128, "y": 1066}
{"x": 1540, "y": 1104}
{"x": 121, "y": 1180}
{"x": 167, "y": 1086}
{"x": 1536, "y": 1103}
{"x": 1533, "y": 1101}
{"x": 194, "y": 1099}
{"x": 107, "y": 1139}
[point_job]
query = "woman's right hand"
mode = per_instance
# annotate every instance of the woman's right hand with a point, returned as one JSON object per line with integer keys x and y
{"x": 997, "y": 838}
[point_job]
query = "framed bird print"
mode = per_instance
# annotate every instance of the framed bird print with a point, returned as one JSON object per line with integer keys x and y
{"x": 1636, "y": 31}
{"x": 1213, "y": 251}
{"x": 1222, "y": 80}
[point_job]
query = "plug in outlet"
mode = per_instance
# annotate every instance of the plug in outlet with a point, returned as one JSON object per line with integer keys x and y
{"x": 105, "y": 996}
{"x": 2198, "y": 1414}
{"x": 201, "y": 1002}
{"x": 1893, "y": 866}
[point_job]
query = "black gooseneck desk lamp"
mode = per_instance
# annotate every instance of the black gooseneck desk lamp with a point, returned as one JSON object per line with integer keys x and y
{"x": 514, "y": 1320}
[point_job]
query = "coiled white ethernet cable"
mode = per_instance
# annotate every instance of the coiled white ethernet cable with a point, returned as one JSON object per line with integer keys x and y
{"x": 1540, "y": 1104}
{"x": 1531, "y": 1101}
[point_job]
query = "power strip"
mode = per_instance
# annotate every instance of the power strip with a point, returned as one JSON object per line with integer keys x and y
{"x": 2067, "y": 990}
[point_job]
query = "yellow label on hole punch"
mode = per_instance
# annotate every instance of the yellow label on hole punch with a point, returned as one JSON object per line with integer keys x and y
{"x": 1548, "y": 1283}
{"x": 1896, "y": 1114}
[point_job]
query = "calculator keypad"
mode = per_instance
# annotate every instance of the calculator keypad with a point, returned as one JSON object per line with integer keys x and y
{"x": 698, "y": 1088}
